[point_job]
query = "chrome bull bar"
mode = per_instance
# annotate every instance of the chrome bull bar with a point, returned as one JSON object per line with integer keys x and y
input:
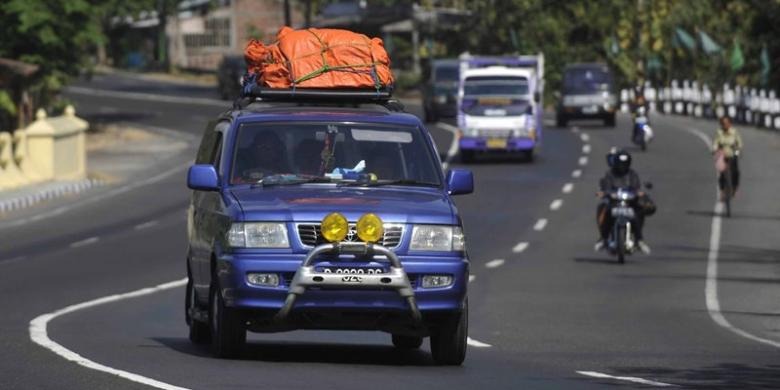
{"x": 306, "y": 276}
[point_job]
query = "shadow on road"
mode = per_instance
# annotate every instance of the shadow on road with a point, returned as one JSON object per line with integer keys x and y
{"x": 293, "y": 352}
{"x": 600, "y": 260}
{"x": 722, "y": 376}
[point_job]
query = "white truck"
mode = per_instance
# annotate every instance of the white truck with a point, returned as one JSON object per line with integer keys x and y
{"x": 499, "y": 104}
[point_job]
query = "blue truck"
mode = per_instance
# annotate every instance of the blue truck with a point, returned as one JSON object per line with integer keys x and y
{"x": 499, "y": 107}
{"x": 325, "y": 209}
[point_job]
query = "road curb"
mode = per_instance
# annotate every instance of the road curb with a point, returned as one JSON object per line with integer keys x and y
{"x": 52, "y": 192}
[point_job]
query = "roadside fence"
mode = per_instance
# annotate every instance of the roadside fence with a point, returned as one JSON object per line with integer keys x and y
{"x": 752, "y": 106}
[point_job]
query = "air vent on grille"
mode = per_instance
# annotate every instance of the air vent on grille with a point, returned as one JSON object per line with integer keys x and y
{"x": 310, "y": 235}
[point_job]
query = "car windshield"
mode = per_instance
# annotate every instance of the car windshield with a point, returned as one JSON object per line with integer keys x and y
{"x": 446, "y": 73}
{"x": 586, "y": 81}
{"x": 495, "y": 86}
{"x": 295, "y": 153}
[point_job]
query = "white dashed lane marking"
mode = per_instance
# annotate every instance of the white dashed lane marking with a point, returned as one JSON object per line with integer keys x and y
{"x": 88, "y": 241}
{"x": 584, "y": 137}
{"x": 583, "y": 160}
{"x": 576, "y": 173}
{"x": 540, "y": 224}
{"x": 475, "y": 343}
{"x": 520, "y": 247}
{"x": 472, "y": 277}
{"x": 586, "y": 149}
{"x": 632, "y": 379}
{"x": 494, "y": 263}
{"x": 556, "y": 204}
{"x": 146, "y": 225}
{"x": 567, "y": 188}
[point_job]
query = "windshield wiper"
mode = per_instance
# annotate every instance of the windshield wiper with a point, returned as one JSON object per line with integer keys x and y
{"x": 287, "y": 180}
{"x": 377, "y": 183}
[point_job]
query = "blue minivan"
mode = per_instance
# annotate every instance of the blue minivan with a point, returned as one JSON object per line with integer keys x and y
{"x": 318, "y": 209}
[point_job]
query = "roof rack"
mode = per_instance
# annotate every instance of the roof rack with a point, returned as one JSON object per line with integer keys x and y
{"x": 296, "y": 94}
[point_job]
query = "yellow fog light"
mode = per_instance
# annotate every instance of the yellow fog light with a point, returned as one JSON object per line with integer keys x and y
{"x": 369, "y": 228}
{"x": 334, "y": 227}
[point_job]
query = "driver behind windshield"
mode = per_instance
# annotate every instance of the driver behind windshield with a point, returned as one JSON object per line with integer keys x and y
{"x": 265, "y": 156}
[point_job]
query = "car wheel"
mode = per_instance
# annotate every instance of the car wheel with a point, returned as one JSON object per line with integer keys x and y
{"x": 466, "y": 156}
{"x": 529, "y": 156}
{"x": 407, "y": 342}
{"x": 228, "y": 332}
{"x": 610, "y": 121}
{"x": 199, "y": 331}
{"x": 561, "y": 121}
{"x": 448, "y": 341}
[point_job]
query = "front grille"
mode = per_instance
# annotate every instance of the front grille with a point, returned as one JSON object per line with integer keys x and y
{"x": 310, "y": 235}
{"x": 492, "y": 133}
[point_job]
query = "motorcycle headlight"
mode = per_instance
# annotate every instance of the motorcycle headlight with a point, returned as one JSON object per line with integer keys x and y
{"x": 258, "y": 235}
{"x": 437, "y": 238}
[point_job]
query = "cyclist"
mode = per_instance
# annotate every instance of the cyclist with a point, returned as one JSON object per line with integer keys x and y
{"x": 729, "y": 142}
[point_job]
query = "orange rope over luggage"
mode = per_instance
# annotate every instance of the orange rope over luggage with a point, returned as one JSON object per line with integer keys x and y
{"x": 320, "y": 58}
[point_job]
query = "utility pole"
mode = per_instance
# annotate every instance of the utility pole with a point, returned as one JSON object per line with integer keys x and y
{"x": 287, "y": 17}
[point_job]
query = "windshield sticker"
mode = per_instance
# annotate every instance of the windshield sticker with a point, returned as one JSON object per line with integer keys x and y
{"x": 382, "y": 136}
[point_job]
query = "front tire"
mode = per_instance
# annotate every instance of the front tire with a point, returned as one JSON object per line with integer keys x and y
{"x": 561, "y": 121}
{"x": 621, "y": 244}
{"x": 448, "y": 341}
{"x": 199, "y": 331}
{"x": 610, "y": 121}
{"x": 228, "y": 332}
{"x": 466, "y": 156}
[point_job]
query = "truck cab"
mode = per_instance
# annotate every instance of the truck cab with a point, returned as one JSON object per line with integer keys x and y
{"x": 499, "y": 105}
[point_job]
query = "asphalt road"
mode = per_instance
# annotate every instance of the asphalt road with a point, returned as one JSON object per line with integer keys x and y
{"x": 548, "y": 306}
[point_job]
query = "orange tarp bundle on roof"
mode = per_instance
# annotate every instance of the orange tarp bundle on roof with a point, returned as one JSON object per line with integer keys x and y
{"x": 319, "y": 58}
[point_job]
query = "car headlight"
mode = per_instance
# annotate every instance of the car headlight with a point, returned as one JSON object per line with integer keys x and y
{"x": 437, "y": 238}
{"x": 258, "y": 235}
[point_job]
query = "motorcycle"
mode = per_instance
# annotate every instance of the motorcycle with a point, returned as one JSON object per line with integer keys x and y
{"x": 643, "y": 133}
{"x": 621, "y": 241}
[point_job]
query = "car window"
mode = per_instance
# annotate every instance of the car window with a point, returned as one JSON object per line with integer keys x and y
{"x": 589, "y": 80}
{"x": 207, "y": 145}
{"x": 495, "y": 85}
{"x": 446, "y": 73}
{"x": 390, "y": 152}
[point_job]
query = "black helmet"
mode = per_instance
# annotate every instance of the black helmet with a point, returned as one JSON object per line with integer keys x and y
{"x": 621, "y": 162}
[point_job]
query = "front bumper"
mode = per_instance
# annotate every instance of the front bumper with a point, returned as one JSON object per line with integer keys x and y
{"x": 485, "y": 144}
{"x": 297, "y": 273}
{"x": 586, "y": 111}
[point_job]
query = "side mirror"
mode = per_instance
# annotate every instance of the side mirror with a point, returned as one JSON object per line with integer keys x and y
{"x": 460, "y": 181}
{"x": 202, "y": 177}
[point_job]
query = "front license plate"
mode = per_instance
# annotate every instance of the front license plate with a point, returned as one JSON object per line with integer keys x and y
{"x": 351, "y": 270}
{"x": 627, "y": 212}
{"x": 590, "y": 109}
{"x": 496, "y": 143}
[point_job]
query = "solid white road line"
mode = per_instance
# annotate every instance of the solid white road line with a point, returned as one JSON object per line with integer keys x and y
{"x": 711, "y": 287}
{"x": 475, "y": 343}
{"x": 631, "y": 379}
{"x": 520, "y": 247}
{"x": 556, "y": 204}
{"x": 85, "y": 242}
{"x": 576, "y": 173}
{"x": 494, "y": 263}
{"x": 147, "y": 225}
{"x": 472, "y": 277}
{"x": 584, "y": 137}
{"x": 586, "y": 149}
{"x": 453, "y": 150}
{"x": 567, "y": 188}
{"x": 148, "y": 97}
{"x": 39, "y": 334}
{"x": 583, "y": 160}
{"x": 540, "y": 224}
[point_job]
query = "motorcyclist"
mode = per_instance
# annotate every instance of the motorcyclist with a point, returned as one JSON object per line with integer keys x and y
{"x": 729, "y": 141}
{"x": 620, "y": 175}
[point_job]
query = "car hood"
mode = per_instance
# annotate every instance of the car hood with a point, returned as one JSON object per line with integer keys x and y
{"x": 310, "y": 203}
